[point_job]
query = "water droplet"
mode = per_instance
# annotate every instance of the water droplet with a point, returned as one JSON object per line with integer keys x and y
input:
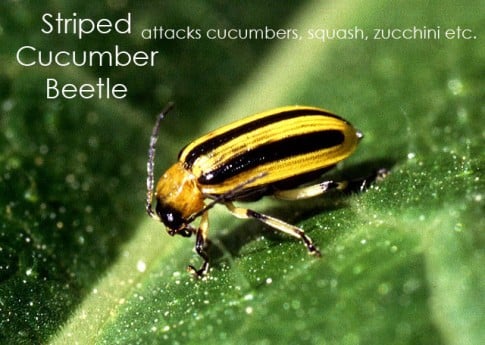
{"x": 8, "y": 104}
{"x": 384, "y": 289}
{"x": 248, "y": 297}
{"x": 455, "y": 86}
{"x": 462, "y": 114}
{"x": 411, "y": 155}
{"x": 357, "y": 269}
{"x": 31, "y": 194}
{"x": 295, "y": 304}
{"x": 141, "y": 266}
{"x": 411, "y": 285}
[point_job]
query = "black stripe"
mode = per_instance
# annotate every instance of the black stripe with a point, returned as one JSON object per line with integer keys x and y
{"x": 223, "y": 138}
{"x": 274, "y": 151}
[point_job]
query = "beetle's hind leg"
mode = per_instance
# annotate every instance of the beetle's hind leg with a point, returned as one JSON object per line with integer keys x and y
{"x": 356, "y": 185}
{"x": 275, "y": 223}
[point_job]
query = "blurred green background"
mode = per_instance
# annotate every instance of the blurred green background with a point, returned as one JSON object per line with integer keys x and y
{"x": 402, "y": 263}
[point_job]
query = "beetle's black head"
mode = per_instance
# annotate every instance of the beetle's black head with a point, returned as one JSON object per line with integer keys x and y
{"x": 172, "y": 219}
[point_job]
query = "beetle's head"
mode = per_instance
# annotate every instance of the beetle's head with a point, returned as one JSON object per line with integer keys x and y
{"x": 178, "y": 197}
{"x": 173, "y": 220}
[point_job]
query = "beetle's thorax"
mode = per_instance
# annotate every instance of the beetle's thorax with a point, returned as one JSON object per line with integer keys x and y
{"x": 178, "y": 189}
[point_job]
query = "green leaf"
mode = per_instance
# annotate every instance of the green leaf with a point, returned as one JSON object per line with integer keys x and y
{"x": 402, "y": 262}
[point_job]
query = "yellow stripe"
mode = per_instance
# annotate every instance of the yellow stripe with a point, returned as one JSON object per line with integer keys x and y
{"x": 281, "y": 170}
{"x": 239, "y": 123}
{"x": 276, "y": 131}
{"x": 271, "y": 133}
{"x": 275, "y": 171}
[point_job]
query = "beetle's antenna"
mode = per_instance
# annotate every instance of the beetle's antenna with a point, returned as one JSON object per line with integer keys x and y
{"x": 225, "y": 196}
{"x": 151, "y": 161}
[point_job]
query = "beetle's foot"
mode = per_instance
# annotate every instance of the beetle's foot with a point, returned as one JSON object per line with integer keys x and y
{"x": 313, "y": 250}
{"x": 381, "y": 174}
{"x": 199, "y": 273}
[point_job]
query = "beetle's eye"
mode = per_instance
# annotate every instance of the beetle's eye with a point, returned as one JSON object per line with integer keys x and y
{"x": 170, "y": 217}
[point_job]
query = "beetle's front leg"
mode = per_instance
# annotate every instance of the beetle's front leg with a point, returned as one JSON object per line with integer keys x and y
{"x": 200, "y": 247}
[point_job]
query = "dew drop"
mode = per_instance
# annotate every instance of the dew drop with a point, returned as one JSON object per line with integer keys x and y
{"x": 141, "y": 266}
{"x": 455, "y": 86}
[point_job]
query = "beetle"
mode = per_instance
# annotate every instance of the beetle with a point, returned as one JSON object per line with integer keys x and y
{"x": 270, "y": 153}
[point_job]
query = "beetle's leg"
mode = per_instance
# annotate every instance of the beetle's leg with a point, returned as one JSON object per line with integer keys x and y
{"x": 275, "y": 223}
{"x": 359, "y": 185}
{"x": 310, "y": 191}
{"x": 200, "y": 246}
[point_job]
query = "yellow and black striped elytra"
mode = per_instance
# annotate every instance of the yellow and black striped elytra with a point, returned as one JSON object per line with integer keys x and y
{"x": 270, "y": 153}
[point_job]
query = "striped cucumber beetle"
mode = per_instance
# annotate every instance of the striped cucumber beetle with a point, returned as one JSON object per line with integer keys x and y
{"x": 269, "y": 153}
